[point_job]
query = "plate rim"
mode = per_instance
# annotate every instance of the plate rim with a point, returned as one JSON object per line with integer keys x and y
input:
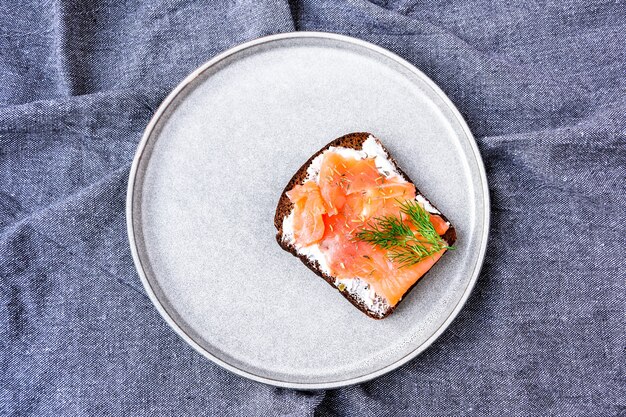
{"x": 171, "y": 97}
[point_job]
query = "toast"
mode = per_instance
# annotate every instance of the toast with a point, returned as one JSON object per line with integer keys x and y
{"x": 357, "y": 289}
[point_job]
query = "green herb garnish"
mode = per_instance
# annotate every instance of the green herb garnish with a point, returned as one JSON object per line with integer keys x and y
{"x": 409, "y": 237}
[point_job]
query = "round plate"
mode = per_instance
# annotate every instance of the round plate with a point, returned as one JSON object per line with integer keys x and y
{"x": 206, "y": 179}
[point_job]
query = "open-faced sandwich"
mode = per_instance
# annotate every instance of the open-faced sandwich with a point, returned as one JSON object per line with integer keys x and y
{"x": 356, "y": 219}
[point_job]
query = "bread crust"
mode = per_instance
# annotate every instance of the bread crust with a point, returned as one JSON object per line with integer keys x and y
{"x": 285, "y": 206}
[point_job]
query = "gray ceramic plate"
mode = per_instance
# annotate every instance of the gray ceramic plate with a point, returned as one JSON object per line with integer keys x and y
{"x": 206, "y": 179}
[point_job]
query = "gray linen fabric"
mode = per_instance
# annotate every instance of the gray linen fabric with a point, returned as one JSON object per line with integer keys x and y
{"x": 543, "y": 87}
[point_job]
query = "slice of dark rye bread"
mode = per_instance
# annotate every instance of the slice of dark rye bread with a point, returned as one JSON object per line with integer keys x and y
{"x": 285, "y": 206}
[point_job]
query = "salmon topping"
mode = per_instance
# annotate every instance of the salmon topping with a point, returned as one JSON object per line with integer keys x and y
{"x": 349, "y": 196}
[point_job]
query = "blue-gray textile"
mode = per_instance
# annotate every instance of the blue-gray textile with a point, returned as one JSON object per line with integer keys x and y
{"x": 542, "y": 86}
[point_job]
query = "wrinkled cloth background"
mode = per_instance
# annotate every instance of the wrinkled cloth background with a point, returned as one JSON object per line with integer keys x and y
{"x": 541, "y": 84}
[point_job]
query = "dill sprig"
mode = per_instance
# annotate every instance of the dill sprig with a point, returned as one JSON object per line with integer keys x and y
{"x": 409, "y": 237}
